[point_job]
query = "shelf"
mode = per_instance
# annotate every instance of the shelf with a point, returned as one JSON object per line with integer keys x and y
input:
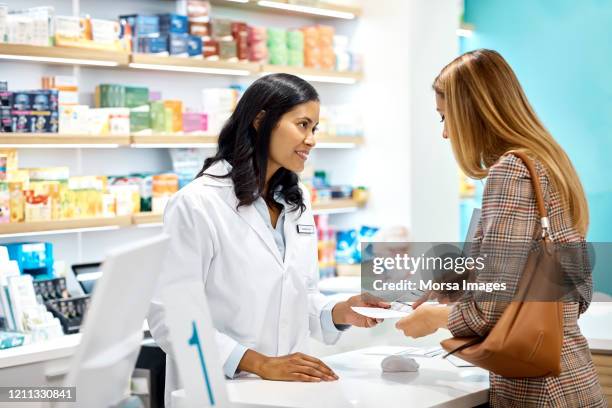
{"x": 177, "y": 64}
{"x": 171, "y": 140}
{"x": 63, "y": 55}
{"x": 282, "y": 7}
{"x": 56, "y": 140}
{"x": 315, "y": 75}
{"x": 147, "y": 218}
{"x": 143, "y": 219}
{"x": 84, "y": 56}
{"x": 63, "y": 226}
{"x": 336, "y": 206}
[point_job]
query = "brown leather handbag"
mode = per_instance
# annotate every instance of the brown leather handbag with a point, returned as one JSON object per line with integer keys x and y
{"x": 526, "y": 341}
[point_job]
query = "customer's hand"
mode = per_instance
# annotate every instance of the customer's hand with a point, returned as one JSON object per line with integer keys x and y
{"x": 343, "y": 314}
{"x": 295, "y": 367}
{"x": 424, "y": 320}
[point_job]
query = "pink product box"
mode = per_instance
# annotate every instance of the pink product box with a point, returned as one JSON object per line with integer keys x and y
{"x": 195, "y": 122}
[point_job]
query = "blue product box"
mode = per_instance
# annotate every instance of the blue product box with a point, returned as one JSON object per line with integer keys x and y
{"x": 171, "y": 23}
{"x": 6, "y": 124}
{"x": 194, "y": 46}
{"x": 155, "y": 45}
{"x": 38, "y": 100}
{"x": 177, "y": 44}
{"x": 11, "y": 339}
{"x": 34, "y": 258}
{"x": 142, "y": 25}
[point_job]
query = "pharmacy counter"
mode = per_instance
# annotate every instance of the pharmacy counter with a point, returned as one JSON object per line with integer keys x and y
{"x": 438, "y": 383}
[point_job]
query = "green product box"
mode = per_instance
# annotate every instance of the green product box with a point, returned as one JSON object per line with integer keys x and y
{"x": 158, "y": 117}
{"x": 136, "y": 96}
{"x": 295, "y": 58}
{"x": 140, "y": 119}
{"x": 110, "y": 96}
{"x": 278, "y": 56}
{"x": 295, "y": 40}
{"x": 168, "y": 115}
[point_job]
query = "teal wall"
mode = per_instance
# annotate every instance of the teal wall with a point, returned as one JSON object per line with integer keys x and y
{"x": 561, "y": 51}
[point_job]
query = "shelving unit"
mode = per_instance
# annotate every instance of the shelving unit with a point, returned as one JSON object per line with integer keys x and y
{"x": 85, "y": 56}
{"x": 57, "y": 140}
{"x": 143, "y": 219}
{"x": 282, "y": 7}
{"x": 63, "y": 55}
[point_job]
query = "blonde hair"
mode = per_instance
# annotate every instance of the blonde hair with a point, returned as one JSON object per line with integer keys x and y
{"x": 488, "y": 114}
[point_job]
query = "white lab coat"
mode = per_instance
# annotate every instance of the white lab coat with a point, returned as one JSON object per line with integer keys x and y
{"x": 255, "y": 298}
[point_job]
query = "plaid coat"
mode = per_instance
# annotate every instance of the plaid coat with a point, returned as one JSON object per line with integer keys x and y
{"x": 509, "y": 215}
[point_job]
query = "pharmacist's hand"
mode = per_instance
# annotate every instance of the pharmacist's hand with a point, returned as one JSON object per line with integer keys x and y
{"x": 295, "y": 367}
{"x": 343, "y": 314}
{"x": 424, "y": 320}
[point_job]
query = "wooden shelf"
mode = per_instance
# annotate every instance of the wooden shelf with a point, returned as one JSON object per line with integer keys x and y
{"x": 84, "y": 56}
{"x": 315, "y": 75}
{"x": 50, "y": 140}
{"x": 177, "y": 64}
{"x": 336, "y": 206}
{"x": 63, "y": 55}
{"x": 56, "y": 140}
{"x": 46, "y": 227}
{"x": 320, "y": 11}
{"x": 138, "y": 219}
{"x": 144, "y": 218}
{"x": 172, "y": 140}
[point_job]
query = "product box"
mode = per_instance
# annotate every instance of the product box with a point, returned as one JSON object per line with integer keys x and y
{"x": 17, "y": 201}
{"x": 241, "y": 36}
{"x": 142, "y": 25}
{"x": 3, "y": 27}
{"x": 69, "y": 27}
{"x": 104, "y": 31}
{"x": 178, "y": 45}
{"x": 176, "y": 109}
{"x": 210, "y": 49}
{"x": 119, "y": 121}
{"x": 34, "y": 121}
{"x": 140, "y": 119}
{"x": 221, "y": 28}
{"x": 158, "y": 117}
{"x": 74, "y": 119}
{"x": 195, "y": 122}
{"x": 194, "y": 46}
{"x": 110, "y": 96}
{"x": 152, "y": 45}
{"x": 136, "y": 96}
{"x": 173, "y": 24}
{"x": 200, "y": 30}
{"x": 5, "y": 203}
{"x": 3, "y": 85}
{"x": 6, "y": 121}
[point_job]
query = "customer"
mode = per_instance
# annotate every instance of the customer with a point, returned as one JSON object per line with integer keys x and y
{"x": 486, "y": 114}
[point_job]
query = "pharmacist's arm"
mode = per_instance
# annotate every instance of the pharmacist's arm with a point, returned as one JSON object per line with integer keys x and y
{"x": 192, "y": 245}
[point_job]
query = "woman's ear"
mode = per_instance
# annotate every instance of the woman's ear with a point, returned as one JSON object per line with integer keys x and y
{"x": 258, "y": 119}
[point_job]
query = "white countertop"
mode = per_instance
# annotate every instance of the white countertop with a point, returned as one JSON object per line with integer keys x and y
{"x": 438, "y": 383}
{"x": 61, "y": 347}
{"x": 596, "y": 326}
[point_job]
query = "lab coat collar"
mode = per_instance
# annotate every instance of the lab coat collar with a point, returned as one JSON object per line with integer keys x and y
{"x": 248, "y": 213}
{"x": 219, "y": 168}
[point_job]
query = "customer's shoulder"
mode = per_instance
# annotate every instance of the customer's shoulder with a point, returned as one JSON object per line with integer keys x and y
{"x": 508, "y": 166}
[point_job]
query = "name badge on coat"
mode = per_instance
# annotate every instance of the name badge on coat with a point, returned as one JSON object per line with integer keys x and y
{"x": 305, "y": 229}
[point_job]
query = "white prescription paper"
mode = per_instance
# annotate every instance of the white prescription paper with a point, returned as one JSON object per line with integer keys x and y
{"x": 379, "y": 313}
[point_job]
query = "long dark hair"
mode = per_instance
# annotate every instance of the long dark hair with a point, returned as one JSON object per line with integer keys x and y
{"x": 247, "y": 149}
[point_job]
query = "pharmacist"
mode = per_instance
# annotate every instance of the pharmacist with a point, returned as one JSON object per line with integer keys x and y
{"x": 245, "y": 228}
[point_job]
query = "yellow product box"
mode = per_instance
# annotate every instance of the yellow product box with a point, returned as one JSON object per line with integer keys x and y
{"x": 86, "y": 199}
{"x": 127, "y": 198}
{"x": 38, "y": 207}
{"x": 22, "y": 176}
{"x": 176, "y": 109}
{"x": 50, "y": 189}
{"x": 17, "y": 201}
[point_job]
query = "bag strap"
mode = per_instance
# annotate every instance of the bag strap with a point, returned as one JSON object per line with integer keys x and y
{"x": 535, "y": 182}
